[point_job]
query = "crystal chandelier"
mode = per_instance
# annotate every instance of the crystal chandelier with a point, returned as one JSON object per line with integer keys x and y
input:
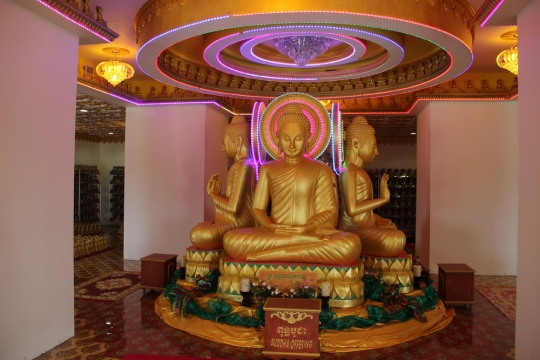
{"x": 508, "y": 59}
{"x": 115, "y": 71}
{"x": 302, "y": 49}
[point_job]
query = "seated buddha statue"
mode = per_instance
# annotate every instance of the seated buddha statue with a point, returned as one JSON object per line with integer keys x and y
{"x": 304, "y": 211}
{"x": 380, "y": 237}
{"x": 233, "y": 209}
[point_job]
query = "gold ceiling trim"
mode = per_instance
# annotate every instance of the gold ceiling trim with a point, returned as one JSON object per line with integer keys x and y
{"x": 203, "y": 77}
{"x": 99, "y": 139}
{"x": 70, "y": 10}
{"x": 485, "y": 10}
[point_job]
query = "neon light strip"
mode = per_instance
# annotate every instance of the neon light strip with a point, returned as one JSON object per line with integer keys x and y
{"x": 492, "y": 12}
{"x": 333, "y": 142}
{"x": 73, "y": 21}
{"x": 388, "y": 63}
{"x": 340, "y": 140}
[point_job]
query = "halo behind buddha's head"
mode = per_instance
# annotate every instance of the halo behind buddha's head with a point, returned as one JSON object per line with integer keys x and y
{"x": 360, "y": 130}
{"x": 293, "y": 114}
{"x": 238, "y": 127}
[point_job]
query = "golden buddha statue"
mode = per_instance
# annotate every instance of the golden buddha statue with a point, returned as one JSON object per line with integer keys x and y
{"x": 301, "y": 226}
{"x": 233, "y": 209}
{"x": 379, "y": 236}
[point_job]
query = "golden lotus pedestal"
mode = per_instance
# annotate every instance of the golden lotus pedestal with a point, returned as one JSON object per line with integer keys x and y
{"x": 348, "y": 288}
{"x": 199, "y": 262}
{"x": 394, "y": 270}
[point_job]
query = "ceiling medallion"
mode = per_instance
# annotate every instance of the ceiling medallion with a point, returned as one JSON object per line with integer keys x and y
{"x": 302, "y": 49}
{"x": 377, "y": 48}
{"x": 115, "y": 71}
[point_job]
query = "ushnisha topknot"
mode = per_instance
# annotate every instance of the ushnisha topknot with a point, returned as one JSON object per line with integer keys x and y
{"x": 358, "y": 129}
{"x": 238, "y": 127}
{"x": 293, "y": 114}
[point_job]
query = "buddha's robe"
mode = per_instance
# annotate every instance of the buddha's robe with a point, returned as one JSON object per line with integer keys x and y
{"x": 376, "y": 241}
{"x": 233, "y": 210}
{"x": 300, "y": 193}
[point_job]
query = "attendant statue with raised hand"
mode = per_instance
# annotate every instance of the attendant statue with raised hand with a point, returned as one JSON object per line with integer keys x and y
{"x": 233, "y": 209}
{"x": 301, "y": 226}
{"x": 379, "y": 236}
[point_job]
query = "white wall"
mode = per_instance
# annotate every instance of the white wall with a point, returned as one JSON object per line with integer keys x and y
{"x": 423, "y": 218}
{"x": 473, "y": 185}
{"x": 36, "y": 196}
{"x": 105, "y": 156}
{"x": 165, "y": 185}
{"x": 528, "y": 266}
{"x": 394, "y": 156}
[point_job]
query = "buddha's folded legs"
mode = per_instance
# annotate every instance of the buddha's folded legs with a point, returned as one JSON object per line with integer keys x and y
{"x": 385, "y": 242}
{"x": 324, "y": 247}
{"x": 209, "y": 235}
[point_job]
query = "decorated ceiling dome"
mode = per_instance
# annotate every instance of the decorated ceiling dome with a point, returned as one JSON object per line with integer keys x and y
{"x": 345, "y": 49}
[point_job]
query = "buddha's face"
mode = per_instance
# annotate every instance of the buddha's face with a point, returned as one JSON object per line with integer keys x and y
{"x": 292, "y": 139}
{"x": 368, "y": 152}
{"x": 229, "y": 147}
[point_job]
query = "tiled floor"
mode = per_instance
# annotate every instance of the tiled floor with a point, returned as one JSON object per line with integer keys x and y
{"x": 111, "y": 330}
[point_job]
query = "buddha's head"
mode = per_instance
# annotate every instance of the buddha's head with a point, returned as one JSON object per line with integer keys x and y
{"x": 236, "y": 139}
{"x": 360, "y": 140}
{"x": 293, "y": 131}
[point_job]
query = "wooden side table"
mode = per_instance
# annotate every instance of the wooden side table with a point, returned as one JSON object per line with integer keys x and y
{"x": 292, "y": 328}
{"x": 456, "y": 284}
{"x": 157, "y": 270}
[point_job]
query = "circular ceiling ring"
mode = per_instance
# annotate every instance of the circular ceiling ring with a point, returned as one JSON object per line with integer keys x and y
{"x": 356, "y": 50}
{"x": 452, "y": 36}
{"x": 393, "y": 57}
{"x": 313, "y": 109}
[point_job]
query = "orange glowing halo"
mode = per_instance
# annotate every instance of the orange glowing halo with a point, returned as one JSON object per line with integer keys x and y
{"x": 317, "y": 114}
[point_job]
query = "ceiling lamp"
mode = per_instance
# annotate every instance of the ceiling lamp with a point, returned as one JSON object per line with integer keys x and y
{"x": 115, "y": 71}
{"x": 508, "y": 59}
{"x": 302, "y": 49}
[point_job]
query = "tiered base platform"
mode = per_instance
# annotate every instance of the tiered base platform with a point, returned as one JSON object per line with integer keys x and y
{"x": 395, "y": 270}
{"x": 199, "y": 262}
{"x": 331, "y": 341}
{"x": 348, "y": 288}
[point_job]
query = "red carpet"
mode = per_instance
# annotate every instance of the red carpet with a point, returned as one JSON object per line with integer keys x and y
{"x": 110, "y": 287}
{"x": 502, "y": 297}
{"x": 160, "y": 357}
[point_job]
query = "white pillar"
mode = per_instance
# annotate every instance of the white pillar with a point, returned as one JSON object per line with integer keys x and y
{"x": 528, "y": 265}
{"x": 467, "y": 184}
{"x": 171, "y": 153}
{"x": 38, "y": 70}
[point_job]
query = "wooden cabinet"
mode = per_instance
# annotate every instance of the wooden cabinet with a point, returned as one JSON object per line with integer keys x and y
{"x": 292, "y": 328}
{"x": 456, "y": 284}
{"x": 157, "y": 270}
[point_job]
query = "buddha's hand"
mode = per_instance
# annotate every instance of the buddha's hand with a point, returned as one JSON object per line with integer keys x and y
{"x": 383, "y": 188}
{"x": 214, "y": 184}
{"x": 298, "y": 229}
{"x": 383, "y": 223}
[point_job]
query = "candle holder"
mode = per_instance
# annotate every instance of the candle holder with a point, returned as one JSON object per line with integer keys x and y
{"x": 246, "y": 301}
{"x": 325, "y": 302}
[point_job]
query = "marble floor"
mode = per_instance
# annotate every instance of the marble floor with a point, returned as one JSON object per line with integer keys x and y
{"x": 112, "y": 330}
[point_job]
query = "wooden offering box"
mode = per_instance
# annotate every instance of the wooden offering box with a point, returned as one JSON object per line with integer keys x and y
{"x": 456, "y": 284}
{"x": 157, "y": 270}
{"x": 292, "y": 328}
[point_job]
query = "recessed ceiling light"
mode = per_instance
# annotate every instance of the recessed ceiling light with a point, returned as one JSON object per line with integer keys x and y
{"x": 111, "y": 133}
{"x": 84, "y": 110}
{"x": 413, "y": 133}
